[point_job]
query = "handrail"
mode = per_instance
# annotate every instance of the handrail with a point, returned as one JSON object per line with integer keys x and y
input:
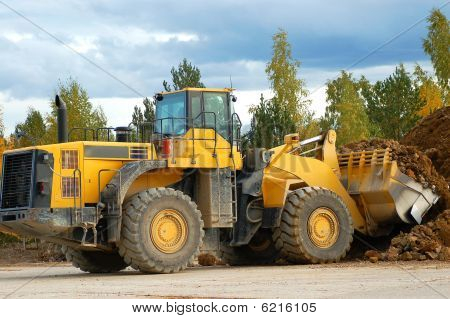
{"x": 119, "y": 195}
{"x": 107, "y": 129}
{"x": 155, "y": 127}
{"x": 84, "y": 129}
{"x": 238, "y": 140}
{"x": 75, "y": 193}
{"x": 158, "y": 123}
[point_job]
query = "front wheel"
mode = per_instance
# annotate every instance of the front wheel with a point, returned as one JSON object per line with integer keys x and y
{"x": 162, "y": 231}
{"x": 316, "y": 227}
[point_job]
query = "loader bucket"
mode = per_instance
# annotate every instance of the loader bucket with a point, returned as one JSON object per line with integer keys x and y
{"x": 381, "y": 190}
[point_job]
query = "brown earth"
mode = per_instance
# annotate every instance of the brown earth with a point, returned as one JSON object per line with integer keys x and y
{"x": 432, "y": 136}
{"x": 430, "y": 241}
{"x": 14, "y": 251}
{"x": 425, "y": 156}
{"x": 411, "y": 161}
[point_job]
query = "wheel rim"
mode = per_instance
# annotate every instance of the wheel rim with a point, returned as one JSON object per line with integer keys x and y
{"x": 323, "y": 227}
{"x": 169, "y": 231}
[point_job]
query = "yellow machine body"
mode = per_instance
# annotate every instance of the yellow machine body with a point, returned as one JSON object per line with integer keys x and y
{"x": 375, "y": 192}
{"x": 97, "y": 162}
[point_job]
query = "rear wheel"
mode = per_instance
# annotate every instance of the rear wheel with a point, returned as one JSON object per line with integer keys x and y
{"x": 94, "y": 261}
{"x": 316, "y": 227}
{"x": 260, "y": 250}
{"x": 162, "y": 231}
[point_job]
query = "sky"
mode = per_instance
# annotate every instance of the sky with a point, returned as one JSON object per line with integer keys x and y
{"x": 137, "y": 42}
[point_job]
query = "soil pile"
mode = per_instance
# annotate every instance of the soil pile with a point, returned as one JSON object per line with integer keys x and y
{"x": 432, "y": 136}
{"x": 410, "y": 161}
{"x": 207, "y": 260}
{"x": 429, "y": 241}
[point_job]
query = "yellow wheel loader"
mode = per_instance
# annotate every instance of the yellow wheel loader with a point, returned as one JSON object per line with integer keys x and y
{"x": 161, "y": 192}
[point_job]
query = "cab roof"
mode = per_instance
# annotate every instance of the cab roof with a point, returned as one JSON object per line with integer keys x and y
{"x": 226, "y": 90}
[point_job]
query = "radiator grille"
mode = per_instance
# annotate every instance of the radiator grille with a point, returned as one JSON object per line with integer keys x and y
{"x": 70, "y": 187}
{"x": 17, "y": 180}
{"x": 69, "y": 159}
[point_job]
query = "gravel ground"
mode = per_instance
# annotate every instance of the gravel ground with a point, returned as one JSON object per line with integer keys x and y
{"x": 346, "y": 280}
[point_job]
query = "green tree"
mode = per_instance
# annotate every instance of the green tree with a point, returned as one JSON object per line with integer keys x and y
{"x": 186, "y": 75}
{"x": 149, "y": 110}
{"x": 392, "y": 105}
{"x": 81, "y": 112}
{"x": 429, "y": 91}
{"x": 147, "y": 116}
{"x": 32, "y": 131}
{"x": 263, "y": 128}
{"x": 287, "y": 112}
{"x": 144, "y": 119}
{"x": 437, "y": 46}
{"x": 289, "y": 91}
{"x": 137, "y": 117}
{"x": 345, "y": 112}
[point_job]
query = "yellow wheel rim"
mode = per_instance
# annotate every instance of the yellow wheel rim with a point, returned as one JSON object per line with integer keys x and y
{"x": 323, "y": 227}
{"x": 168, "y": 231}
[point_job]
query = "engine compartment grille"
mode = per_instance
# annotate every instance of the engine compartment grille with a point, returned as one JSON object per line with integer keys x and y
{"x": 17, "y": 180}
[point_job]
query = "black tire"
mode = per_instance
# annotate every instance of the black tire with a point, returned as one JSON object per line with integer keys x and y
{"x": 94, "y": 261}
{"x": 260, "y": 251}
{"x": 292, "y": 236}
{"x": 136, "y": 245}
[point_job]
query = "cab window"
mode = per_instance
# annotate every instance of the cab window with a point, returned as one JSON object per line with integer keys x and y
{"x": 217, "y": 103}
{"x": 171, "y": 114}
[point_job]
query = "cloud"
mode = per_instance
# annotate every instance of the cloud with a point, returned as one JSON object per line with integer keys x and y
{"x": 136, "y": 36}
{"x": 244, "y": 74}
{"x": 16, "y": 37}
{"x": 318, "y": 101}
{"x": 84, "y": 44}
{"x": 15, "y": 110}
{"x": 180, "y": 37}
{"x": 139, "y": 43}
{"x": 119, "y": 109}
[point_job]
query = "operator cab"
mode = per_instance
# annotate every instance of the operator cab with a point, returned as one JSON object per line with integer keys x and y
{"x": 177, "y": 112}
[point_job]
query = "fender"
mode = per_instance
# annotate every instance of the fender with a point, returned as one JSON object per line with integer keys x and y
{"x": 290, "y": 169}
{"x": 113, "y": 194}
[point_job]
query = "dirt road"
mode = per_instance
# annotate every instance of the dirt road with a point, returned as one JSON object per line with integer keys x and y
{"x": 349, "y": 280}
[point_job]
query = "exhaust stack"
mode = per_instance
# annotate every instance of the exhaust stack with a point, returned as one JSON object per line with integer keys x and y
{"x": 62, "y": 120}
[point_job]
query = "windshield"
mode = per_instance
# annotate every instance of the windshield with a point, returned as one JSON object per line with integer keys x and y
{"x": 171, "y": 114}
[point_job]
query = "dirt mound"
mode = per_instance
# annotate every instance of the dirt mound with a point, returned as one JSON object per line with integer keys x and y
{"x": 432, "y": 136}
{"x": 429, "y": 241}
{"x": 410, "y": 161}
{"x": 207, "y": 260}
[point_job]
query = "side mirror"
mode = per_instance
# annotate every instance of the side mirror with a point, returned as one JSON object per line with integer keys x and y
{"x": 233, "y": 98}
{"x": 159, "y": 96}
